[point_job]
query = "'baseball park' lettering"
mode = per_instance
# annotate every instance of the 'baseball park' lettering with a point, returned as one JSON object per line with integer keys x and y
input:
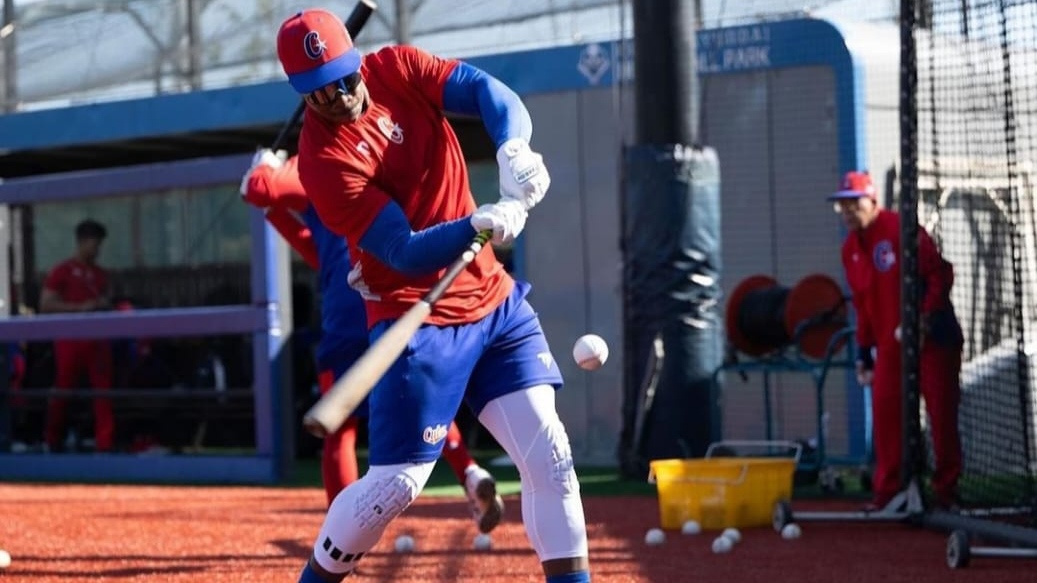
{"x": 734, "y": 59}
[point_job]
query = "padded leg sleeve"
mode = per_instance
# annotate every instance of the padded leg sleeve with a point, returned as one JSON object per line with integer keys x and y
{"x": 527, "y": 426}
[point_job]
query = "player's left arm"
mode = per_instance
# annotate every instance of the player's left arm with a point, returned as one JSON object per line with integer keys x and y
{"x": 471, "y": 91}
{"x": 457, "y": 87}
{"x": 937, "y": 276}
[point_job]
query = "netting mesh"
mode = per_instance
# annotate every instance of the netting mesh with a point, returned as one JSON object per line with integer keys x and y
{"x": 976, "y": 100}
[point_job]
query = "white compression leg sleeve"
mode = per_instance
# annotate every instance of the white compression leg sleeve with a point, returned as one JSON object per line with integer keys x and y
{"x": 527, "y": 426}
{"x": 359, "y": 514}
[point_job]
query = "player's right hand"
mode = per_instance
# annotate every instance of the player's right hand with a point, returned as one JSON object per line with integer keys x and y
{"x": 865, "y": 365}
{"x": 95, "y": 304}
{"x": 506, "y": 218}
{"x": 864, "y": 375}
{"x": 262, "y": 157}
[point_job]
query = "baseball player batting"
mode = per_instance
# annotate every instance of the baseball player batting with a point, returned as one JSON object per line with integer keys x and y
{"x": 383, "y": 168}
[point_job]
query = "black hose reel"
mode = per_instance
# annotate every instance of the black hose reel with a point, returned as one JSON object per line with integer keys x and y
{"x": 763, "y": 317}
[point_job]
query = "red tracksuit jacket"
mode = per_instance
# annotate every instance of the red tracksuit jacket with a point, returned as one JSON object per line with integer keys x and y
{"x": 871, "y": 258}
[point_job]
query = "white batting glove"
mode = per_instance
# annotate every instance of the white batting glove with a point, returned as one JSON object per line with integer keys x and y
{"x": 523, "y": 176}
{"x": 506, "y": 218}
{"x": 262, "y": 157}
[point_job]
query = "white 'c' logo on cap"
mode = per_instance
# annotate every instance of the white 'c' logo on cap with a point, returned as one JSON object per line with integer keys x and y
{"x": 314, "y": 45}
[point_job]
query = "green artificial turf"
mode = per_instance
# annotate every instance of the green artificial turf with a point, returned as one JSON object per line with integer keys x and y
{"x": 594, "y": 481}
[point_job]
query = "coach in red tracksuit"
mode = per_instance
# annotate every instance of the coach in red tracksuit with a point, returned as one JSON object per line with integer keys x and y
{"x": 871, "y": 258}
{"x": 79, "y": 284}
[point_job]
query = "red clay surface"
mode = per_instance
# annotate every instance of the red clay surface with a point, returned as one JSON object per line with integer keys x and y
{"x": 232, "y": 534}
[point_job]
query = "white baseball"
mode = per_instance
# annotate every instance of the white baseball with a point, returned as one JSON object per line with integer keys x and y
{"x": 722, "y": 544}
{"x": 691, "y": 527}
{"x": 404, "y": 543}
{"x": 733, "y": 534}
{"x": 791, "y": 531}
{"x": 482, "y": 542}
{"x": 5, "y": 559}
{"x": 655, "y": 536}
{"x": 590, "y": 351}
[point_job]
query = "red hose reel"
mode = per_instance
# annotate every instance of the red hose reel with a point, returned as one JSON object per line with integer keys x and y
{"x": 763, "y": 317}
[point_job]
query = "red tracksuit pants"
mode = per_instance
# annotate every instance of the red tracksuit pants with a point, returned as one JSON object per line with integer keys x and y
{"x": 940, "y": 386}
{"x": 73, "y": 359}
{"x": 338, "y": 461}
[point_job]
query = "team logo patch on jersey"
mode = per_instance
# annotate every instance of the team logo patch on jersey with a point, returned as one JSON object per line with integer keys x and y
{"x": 313, "y": 45}
{"x": 391, "y": 130}
{"x": 885, "y": 256}
{"x": 433, "y": 435}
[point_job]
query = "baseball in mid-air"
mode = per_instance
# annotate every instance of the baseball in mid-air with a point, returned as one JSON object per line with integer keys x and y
{"x": 5, "y": 559}
{"x": 590, "y": 351}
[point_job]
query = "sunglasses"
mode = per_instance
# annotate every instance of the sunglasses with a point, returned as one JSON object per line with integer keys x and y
{"x": 344, "y": 86}
{"x": 846, "y": 204}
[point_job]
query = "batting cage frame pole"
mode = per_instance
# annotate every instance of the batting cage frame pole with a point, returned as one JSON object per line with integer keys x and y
{"x": 913, "y": 443}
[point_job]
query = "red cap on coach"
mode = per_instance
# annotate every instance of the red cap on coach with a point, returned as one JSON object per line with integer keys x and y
{"x": 315, "y": 50}
{"x": 855, "y": 185}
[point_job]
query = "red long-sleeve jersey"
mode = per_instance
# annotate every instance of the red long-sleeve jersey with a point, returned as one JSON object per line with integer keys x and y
{"x": 871, "y": 258}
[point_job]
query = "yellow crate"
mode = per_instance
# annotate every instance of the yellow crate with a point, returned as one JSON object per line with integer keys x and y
{"x": 721, "y": 492}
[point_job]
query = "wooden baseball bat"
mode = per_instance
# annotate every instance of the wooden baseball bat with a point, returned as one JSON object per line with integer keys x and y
{"x": 332, "y": 410}
{"x": 354, "y": 24}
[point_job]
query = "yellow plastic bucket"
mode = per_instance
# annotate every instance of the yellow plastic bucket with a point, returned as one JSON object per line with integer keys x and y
{"x": 721, "y": 492}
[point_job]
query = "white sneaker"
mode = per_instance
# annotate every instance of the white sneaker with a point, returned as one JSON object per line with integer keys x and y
{"x": 487, "y": 505}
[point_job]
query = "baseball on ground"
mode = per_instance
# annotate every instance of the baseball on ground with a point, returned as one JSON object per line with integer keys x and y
{"x": 404, "y": 543}
{"x": 482, "y": 542}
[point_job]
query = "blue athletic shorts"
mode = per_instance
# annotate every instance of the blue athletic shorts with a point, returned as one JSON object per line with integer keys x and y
{"x": 413, "y": 405}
